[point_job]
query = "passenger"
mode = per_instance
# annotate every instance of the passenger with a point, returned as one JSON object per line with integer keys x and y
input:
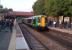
{"x": 7, "y": 24}
{"x": 54, "y": 23}
{"x": 0, "y": 25}
{"x": 50, "y": 23}
{"x": 57, "y": 24}
{"x": 11, "y": 24}
{"x": 4, "y": 22}
{"x": 65, "y": 24}
{"x": 69, "y": 25}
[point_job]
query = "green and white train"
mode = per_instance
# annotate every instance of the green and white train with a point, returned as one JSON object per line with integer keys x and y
{"x": 39, "y": 21}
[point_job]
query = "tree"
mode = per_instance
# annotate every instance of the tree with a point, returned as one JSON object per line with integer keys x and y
{"x": 38, "y": 7}
{"x": 58, "y": 8}
{"x": 1, "y": 6}
{"x": 54, "y": 8}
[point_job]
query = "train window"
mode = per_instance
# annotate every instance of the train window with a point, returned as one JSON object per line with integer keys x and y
{"x": 38, "y": 19}
{"x": 46, "y": 19}
{"x": 34, "y": 21}
{"x": 29, "y": 20}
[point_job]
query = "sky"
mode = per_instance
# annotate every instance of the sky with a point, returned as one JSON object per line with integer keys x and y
{"x": 18, "y": 5}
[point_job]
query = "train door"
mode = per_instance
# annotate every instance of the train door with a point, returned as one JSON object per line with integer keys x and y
{"x": 35, "y": 21}
{"x": 42, "y": 21}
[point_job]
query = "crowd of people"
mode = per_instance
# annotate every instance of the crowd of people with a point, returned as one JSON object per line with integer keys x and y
{"x": 6, "y": 23}
{"x": 58, "y": 24}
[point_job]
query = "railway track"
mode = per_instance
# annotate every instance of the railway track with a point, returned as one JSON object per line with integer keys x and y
{"x": 64, "y": 39}
{"x": 49, "y": 40}
{"x": 33, "y": 43}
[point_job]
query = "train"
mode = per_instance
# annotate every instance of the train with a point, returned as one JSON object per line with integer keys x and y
{"x": 39, "y": 22}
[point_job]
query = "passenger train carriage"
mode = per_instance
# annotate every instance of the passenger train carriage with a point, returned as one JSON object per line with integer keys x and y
{"x": 38, "y": 22}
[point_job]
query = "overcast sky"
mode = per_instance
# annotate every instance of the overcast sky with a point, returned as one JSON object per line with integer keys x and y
{"x": 18, "y": 5}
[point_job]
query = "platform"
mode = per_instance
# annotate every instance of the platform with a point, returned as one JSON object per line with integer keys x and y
{"x": 5, "y": 36}
{"x": 61, "y": 30}
{"x": 21, "y": 43}
{"x": 17, "y": 41}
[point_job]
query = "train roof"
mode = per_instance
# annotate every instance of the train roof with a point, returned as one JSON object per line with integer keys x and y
{"x": 33, "y": 17}
{"x": 39, "y": 15}
{"x": 29, "y": 18}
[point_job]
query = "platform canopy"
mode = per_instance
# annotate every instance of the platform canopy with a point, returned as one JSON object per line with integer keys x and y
{"x": 17, "y": 13}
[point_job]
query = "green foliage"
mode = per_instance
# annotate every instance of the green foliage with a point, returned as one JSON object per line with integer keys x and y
{"x": 1, "y": 6}
{"x": 49, "y": 7}
{"x": 53, "y": 7}
{"x": 4, "y": 11}
{"x": 38, "y": 7}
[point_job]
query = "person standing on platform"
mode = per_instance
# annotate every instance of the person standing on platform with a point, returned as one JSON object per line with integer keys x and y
{"x": 0, "y": 25}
